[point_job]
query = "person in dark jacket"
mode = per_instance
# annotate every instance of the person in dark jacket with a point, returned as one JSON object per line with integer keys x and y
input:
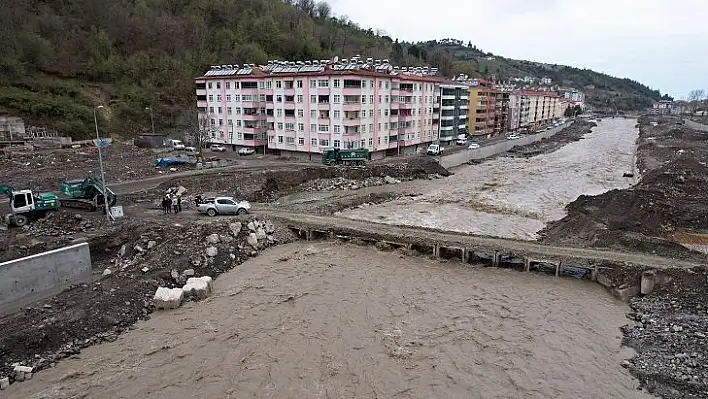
{"x": 179, "y": 203}
{"x": 165, "y": 205}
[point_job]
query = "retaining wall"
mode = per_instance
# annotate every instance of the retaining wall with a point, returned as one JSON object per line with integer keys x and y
{"x": 25, "y": 281}
{"x": 459, "y": 158}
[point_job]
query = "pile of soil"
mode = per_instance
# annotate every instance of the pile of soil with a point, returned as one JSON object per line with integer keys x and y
{"x": 572, "y": 133}
{"x": 141, "y": 256}
{"x": 669, "y": 198}
{"x": 44, "y": 170}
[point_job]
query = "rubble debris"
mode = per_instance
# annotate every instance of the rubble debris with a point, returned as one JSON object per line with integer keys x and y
{"x": 168, "y": 298}
{"x": 107, "y": 272}
{"x": 4, "y": 383}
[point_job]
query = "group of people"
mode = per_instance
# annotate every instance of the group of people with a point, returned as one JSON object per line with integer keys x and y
{"x": 171, "y": 203}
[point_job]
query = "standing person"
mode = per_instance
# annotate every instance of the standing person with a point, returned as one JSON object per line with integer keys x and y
{"x": 164, "y": 205}
{"x": 179, "y": 203}
{"x": 174, "y": 204}
{"x": 198, "y": 200}
{"x": 168, "y": 201}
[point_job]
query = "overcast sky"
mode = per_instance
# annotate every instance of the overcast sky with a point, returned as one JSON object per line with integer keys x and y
{"x": 661, "y": 43}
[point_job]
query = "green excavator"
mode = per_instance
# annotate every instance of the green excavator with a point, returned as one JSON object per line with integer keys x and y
{"x": 26, "y": 206}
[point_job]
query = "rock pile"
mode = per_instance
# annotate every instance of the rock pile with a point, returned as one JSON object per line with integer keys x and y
{"x": 343, "y": 183}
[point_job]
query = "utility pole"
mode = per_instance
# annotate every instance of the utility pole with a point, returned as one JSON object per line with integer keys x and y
{"x": 152, "y": 121}
{"x": 99, "y": 144}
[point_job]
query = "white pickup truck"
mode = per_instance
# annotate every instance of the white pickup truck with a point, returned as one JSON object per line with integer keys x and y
{"x": 224, "y": 206}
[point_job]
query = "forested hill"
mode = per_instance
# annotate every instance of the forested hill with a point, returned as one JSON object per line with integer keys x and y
{"x": 60, "y": 58}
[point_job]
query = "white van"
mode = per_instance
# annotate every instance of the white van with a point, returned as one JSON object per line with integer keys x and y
{"x": 176, "y": 144}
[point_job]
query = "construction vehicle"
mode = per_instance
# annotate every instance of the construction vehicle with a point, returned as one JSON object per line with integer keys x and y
{"x": 85, "y": 194}
{"x": 335, "y": 156}
{"x": 25, "y": 206}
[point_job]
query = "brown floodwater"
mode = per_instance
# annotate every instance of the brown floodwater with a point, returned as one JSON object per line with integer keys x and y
{"x": 342, "y": 321}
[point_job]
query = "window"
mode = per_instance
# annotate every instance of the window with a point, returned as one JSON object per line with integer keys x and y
{"x": 324, "y": 143}
{"x": 323, "y": 128}
{"x": 371, "y": 142}
{"x": 313, "y": 98}
{"x": 213, "y": 121}
{"x": 238, "y": 111}
{"x": 228, "y": 110}
{"x": 238, "y": 123}
{"x": 299, "y": 84}
{"x": 313, "y": 142}
{"x": 313, "y": 127}
{"x": 371, "y": 113}
{"x": 228, "y": 98}
{"x": 211, "y": 97}
{"x": 280, "y": 139}
{"x": 363, "y": 128}
{"x": 313, "y": 84}
{"x": 380, "y": 84}
{"x": 279, "y": 112}
{"x": 210, "y": 85}
{"x": 269, "y": 84}
{"x": 299, "y": 98}
{"x": 386, "y": 99}
{"x": 300, "y": 113}
{"x": 261, "y": 84}
{"x": 279, "y": 99}
{"x": 221, "y": 122}
{"x": 371, "y": 99}
{"x": 380, "y": 99}
{"x": 262, "y": 98}
{"x": 385, "y": 125}
{"x": 218, "y": 85}
{"x": 211, "y": 110}
{"x": 290, "y": 140}
{"x": 228, "y": 85}
{"x": 336, "y": 113}
{"x": 313, "y": 113}
{"x": 337, "y": 98}
{"x": 336, "y": 82}
{"x": 371, "y": 83}
{"x": 300, "y": 141}
{"x": 289, "y": 126}
{"x": 237, "y": 98}
{"x": 219, "y": 110}
{"x": 280, "y": 125}
{"x": 336, "y": 143}
{"x": 387, "y": 85}
{"x": 336, "y": 128}
{"x": 278, "y": 84}
{"x": 230, "y": 122}
{"x": 323, "y": 83}
{"x": 301, "y": 127}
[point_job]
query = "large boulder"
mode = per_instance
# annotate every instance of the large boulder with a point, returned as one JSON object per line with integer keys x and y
{"x": 198, "y": 287}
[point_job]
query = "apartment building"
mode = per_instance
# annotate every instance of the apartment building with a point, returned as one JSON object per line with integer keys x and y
{"x": 574, "y": 95}
{"x": 530, "y": 109}
{"x": 454, "y": 110}
{"x": 481, "y": 114}
{"x": 662, "y": 107}
{"x": 300, "y": 108}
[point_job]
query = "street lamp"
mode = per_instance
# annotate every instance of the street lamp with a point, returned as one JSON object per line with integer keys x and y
{"x": 152, "y": 121}
{"x": 99, "y": 144}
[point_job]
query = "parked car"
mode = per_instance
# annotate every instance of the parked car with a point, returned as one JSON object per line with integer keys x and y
{"x": 176, "y": 145}
{"x": 461, "y": 141}
{"x": 224, "y": 206}
{"x": 191, "y": 151}
{"x": 473, "y": 146}
{"x": 434, "y": 149}
{"x": 217, "y": 148}
{"x": 246, "y": 151}
{"x": 513, "y": 136}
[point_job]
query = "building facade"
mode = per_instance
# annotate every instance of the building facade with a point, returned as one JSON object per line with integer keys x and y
{"x": 662, "y": 107}
{"x": 482, "y": 108}
{"x": 300, "y": 108}
{"x": 454, "y": 110}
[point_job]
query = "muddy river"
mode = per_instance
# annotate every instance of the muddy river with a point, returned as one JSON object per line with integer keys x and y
{"x": 516, "y": 197}
{"x": 340, "y": 321}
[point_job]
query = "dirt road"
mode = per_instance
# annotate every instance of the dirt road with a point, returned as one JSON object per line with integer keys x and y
{"x": 339, "y": 321}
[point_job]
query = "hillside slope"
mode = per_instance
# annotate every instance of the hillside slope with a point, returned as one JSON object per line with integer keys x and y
{"x": 62, "y": 58}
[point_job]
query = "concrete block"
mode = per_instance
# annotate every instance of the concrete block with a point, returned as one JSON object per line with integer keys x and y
{"x": 198, "y": 287}
{"x": 166, "y": 298}
{"x": 252, "y": 240}
{"x": 23, "y": 369}
{"x": 624, "y": 294}
{"x": 4, "y": 383}
{"x": 648, "y": 282}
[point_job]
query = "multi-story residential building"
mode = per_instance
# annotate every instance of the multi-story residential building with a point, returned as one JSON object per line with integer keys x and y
{"x": 300, "y": 108}
{"x": 482, "y": 101}
{"x": 662, "y": 107}
{"x": 574, "y": 95}
{"x": 454, "y": 109}
{"x": 530, "y": 109}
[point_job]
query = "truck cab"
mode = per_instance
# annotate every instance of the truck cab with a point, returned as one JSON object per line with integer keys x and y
{"x": 26, "y": 206}
{"x": 176, "y": 145}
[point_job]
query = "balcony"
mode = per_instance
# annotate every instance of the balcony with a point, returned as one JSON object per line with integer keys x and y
{"x": 253, "y": 117}
{"x": 464, "y": 106}
{"x": 351, "y": 121}
{"x": 448, "y": 97}
{"x": 446, "y": 128}
{"x": 447, "y": 107}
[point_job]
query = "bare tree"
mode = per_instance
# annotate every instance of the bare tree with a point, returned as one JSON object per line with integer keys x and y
{"x": 324, "y": 11}
{"x": 196, "y": 128}
{"x": 694, "y": 98}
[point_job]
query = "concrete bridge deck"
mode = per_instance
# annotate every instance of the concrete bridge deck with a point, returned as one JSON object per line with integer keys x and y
{"x": 469, "y": 247}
